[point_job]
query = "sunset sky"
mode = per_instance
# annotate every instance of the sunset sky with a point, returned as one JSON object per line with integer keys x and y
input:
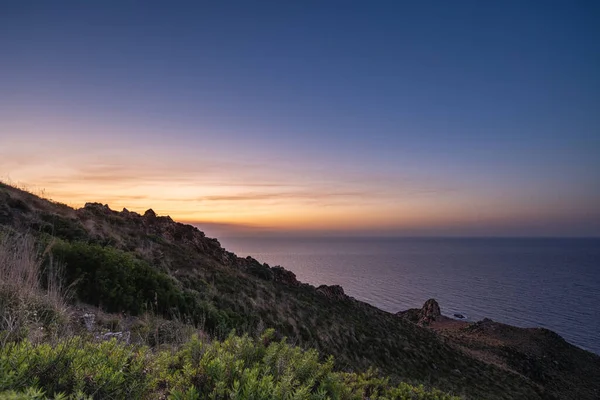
{"x": 379, "y": 118}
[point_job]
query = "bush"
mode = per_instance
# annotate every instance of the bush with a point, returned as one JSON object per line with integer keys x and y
{"x": 61, "y": 227}
{"x": 117, "y": 281}
{"x": 236, "y": 368}
{"x": 75, "y": 367}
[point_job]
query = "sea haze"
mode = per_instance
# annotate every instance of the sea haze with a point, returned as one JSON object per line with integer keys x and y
{"x": 550, "y": 283}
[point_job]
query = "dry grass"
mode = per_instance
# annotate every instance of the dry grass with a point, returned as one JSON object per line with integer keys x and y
{"x": 19, "y": 262}
{"x": 33, "y": 302}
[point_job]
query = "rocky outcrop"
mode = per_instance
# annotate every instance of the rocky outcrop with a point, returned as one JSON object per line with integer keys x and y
{"x": 423, "y": 316}
{"x": 98, "y": 208}
{"x": 430, "y": 310}
{"x": 150, "y": 214}
{"x": 284, "y": 276}
{"x": 264, "y": 271}
{"x": 333, "y": 292}
{"x": 150, "y": 227}
{"x": 253, "y": 267}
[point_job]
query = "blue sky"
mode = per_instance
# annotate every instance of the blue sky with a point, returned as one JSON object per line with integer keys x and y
{"x": 418, "y": 117}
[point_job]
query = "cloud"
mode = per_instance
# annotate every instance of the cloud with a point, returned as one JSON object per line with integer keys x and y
{"x": 228, "y": 189}
{"x": 308, "y": 195}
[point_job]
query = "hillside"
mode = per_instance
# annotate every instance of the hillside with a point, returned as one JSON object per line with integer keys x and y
{"x": 126, "y": 265}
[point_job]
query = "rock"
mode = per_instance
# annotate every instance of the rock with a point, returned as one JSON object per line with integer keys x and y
{"x": 425, "y": 315}
{"x": 120, "y": 336}
{"x": 98, "y": 207}
{"x": 253, "y": 267}
{"x": 460, "y": 316}
{"x": 431, "y": 309}
{"x": 284, "y": 276}
{"x": 334, "y": 292}
{"x": 150, "y": 214}
{"x": 88, "y": 321}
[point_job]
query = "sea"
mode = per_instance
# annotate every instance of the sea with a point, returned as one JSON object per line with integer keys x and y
{"x": 533, "y": 282}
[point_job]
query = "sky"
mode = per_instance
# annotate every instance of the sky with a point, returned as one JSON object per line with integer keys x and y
{"x": 435, "y": 118}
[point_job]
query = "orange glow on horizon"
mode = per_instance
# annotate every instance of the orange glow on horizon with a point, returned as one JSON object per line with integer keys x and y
{"x": 219, "y": 188}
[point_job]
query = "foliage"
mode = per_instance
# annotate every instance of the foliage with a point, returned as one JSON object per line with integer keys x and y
{"x": 117, "y": 281}
{"x": 61, "y": 227}
{"x": 236, "y": 368}
{"x": 114, "y": 279}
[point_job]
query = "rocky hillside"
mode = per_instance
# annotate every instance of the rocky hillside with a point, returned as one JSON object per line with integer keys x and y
{"x": 130, "y": 263}
{"x": 537, "y": 353}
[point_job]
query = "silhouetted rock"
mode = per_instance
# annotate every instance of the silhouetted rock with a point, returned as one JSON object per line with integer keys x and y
{"x": 252, "y": 266}
{"x": 334, "y": 292}
{"x": 150, "y": 214}
{"x": 98, "y": 207}
{"x": 284, "y": 276}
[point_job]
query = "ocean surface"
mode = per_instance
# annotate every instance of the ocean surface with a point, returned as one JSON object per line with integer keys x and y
{"x": 550, "y": 283}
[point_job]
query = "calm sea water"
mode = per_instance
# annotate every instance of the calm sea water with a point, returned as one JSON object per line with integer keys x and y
{"x": 550, "y": 283}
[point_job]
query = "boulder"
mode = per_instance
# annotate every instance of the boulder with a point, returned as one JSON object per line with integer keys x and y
{"x": 150, "y": 214}
{"x": 284, "y": 276}
{"x": 425, "y": 315}
{"x": 97, "y": 207}
{"x": 333, "y": 292}
{"x": 88, "y": 320}
{"x": 119, "y": 336}
{"x": 430, "y": 310}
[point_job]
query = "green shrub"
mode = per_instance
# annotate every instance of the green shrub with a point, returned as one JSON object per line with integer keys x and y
{"x": 104, "y": 370}
{"x": 29, "y": 394}
{"x": 117, "y": 281}
{"x": 236, "y": 368}
{"x": 61, "y": 227}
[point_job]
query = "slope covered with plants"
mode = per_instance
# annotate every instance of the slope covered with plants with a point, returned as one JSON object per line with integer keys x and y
{"x": 159, "y": 281}
{"x": 235, "y": 368}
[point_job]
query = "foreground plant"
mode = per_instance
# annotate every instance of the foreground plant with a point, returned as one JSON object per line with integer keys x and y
{"x": 236, "y": 368}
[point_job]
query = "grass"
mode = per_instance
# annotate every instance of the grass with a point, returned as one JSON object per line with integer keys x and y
{"x": 32, "y": 300}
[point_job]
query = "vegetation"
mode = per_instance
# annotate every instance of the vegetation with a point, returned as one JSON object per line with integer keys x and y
{"x": 236, "y": 368}
{"x": 40, "y": 358}
{"x": 27, "y": 307}
{"x": 70, "y": 279}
